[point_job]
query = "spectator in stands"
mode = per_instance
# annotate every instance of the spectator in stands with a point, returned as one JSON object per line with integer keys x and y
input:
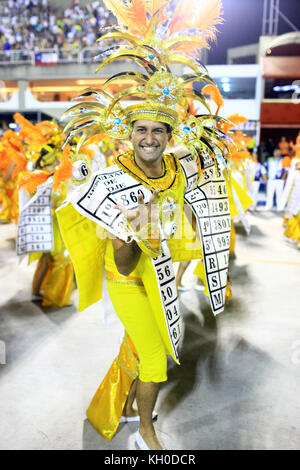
{"x": 261, "y": 152}
{"x": 270, "y": 146}
{"x": 283, "y": 146}
{"x": 6, "y": 48}
{"x": 251, "y": 145}
{"x": 33, "y": 24}
{"x": 257, "y": 178}
{"x": 276, "y": 177}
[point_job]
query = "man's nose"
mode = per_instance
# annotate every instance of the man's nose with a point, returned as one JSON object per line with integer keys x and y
{"x": 149, "y": 138}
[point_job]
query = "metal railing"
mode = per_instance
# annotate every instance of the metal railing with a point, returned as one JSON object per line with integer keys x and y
{"x": 16, "y": 57}
{"x": 49, "y": 56}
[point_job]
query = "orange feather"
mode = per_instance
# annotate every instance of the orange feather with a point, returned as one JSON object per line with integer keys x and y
{"x": 64, "y": 171}
{"x": 240, "y": 155}
{"x": 133, "y": 14}
{"x": 30, "y": 181}
{"x": 188, "y": 47}
{"x": 197, "y": 14}
{"x": 192, "y": 108}
{"x": 137, "y": 17}
{"x": 20, "y": 162}
{"x": 214, "y": 94}
{"x": 119, "y": 10}
{"x": 88, "y": 152}
{"x": 29, "y": 130}
{"x": 237, "y": 119}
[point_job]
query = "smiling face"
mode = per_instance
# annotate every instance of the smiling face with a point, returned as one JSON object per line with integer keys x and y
{"x": 149, "y": 140}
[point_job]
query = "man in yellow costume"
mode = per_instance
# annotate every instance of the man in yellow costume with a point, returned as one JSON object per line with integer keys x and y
{"x": 41, "y": 190}
{"x": 139, "y": 215}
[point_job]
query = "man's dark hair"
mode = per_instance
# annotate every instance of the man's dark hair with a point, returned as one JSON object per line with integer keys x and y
{"x": 168, "y": 127}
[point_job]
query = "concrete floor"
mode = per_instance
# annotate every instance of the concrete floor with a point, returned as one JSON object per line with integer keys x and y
{"x": 239, "y": 379}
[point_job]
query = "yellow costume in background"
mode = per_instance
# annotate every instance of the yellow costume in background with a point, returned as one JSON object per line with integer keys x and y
{"x": 292, "y": 229}
{"x": 12, "y": 164}
{"x": 6, "y": 201}
{"x": 58, "y": 281}
{"x": 53, "y": 279}
{"x": 292, "y": 213}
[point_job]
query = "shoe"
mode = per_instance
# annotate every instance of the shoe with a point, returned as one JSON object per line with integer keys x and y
{"x": 36, "y": 298}
{"x": 136, "y": 419}
{"x": 140, "y": 442}
{"x": 183, "y": 288}
{"x": 199, "y": 288}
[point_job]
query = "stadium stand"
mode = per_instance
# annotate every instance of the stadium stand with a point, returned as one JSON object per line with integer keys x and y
{"x": 36, "y": 31}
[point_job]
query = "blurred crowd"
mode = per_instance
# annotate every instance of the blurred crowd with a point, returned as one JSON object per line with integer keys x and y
{"x": 272, "y": 164}
{"x": 32, "y": 25}
{"x": 266, "y": 148}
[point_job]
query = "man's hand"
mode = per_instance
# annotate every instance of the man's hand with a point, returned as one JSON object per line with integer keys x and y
{"x": 127, "y": 255}
{"x": 144, "y": 214}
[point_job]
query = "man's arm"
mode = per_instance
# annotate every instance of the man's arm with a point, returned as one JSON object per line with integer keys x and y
{"x": 126, "y": 255}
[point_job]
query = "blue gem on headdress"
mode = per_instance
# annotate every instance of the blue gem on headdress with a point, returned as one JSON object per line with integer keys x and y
{"x": 166, "y": 91}
{"x": 151, "y": 56}
{"x": 117, "y": 121}
{"x": 186, "y": 129}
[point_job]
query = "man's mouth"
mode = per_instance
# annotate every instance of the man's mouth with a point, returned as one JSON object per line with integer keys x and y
{"x": 150, "y": 149}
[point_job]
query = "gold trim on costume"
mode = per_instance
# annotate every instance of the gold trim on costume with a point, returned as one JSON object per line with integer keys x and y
{"x": 154, "y": 112}
{"x": 133, "y": 374}
{"x": 169, "y": 179}
{"x": 118, "y": 278}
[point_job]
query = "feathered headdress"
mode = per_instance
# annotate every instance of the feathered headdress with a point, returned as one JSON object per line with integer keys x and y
{"x": 153, "y": 37}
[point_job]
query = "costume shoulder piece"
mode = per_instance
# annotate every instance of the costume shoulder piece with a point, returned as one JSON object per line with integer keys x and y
{"x": 97, "y": 199}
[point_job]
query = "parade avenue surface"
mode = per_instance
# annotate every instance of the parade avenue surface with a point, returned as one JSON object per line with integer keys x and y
{"x": 238, "y": 383}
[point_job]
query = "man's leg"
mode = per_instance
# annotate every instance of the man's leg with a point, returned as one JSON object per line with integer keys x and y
{"x": 183, "y": 265}
{"x": 135, "y": 312}
{"x": 254, "y": 194}
{"x": 270, "y": 194}
{"x": 128, "y": 410}
{"x": 279, "y": 191}
{"x": 146, "y": 398}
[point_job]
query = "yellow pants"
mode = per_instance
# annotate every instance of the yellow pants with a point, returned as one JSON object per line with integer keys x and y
{"x": 133, "y": 307}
